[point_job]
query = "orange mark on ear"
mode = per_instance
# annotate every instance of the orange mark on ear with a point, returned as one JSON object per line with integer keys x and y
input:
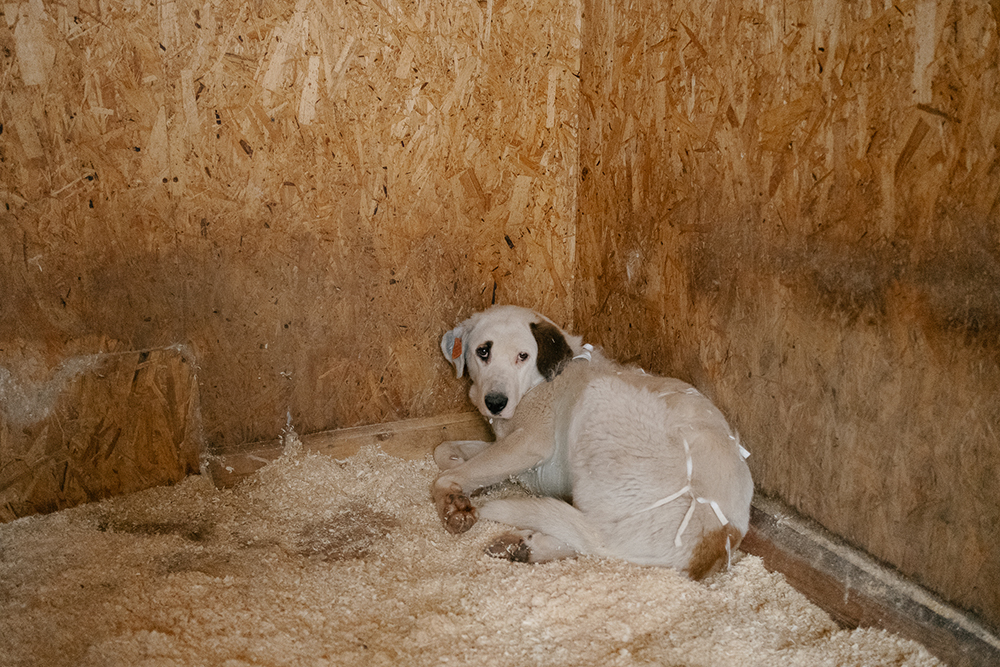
{"x": 456, "y": 349}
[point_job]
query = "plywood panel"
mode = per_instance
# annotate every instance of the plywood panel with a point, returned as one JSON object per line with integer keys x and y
{"x": 308, "y": 193}
{"x": 796, "y": 206}
{"x": 96, "y": 426}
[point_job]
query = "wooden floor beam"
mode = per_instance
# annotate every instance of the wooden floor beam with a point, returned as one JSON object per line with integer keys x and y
{"x": 408, "y": 439}
{"x": 857, "y": 591}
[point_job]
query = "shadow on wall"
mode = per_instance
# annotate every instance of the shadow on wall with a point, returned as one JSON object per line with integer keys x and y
{"x": 951, "y": 290}
{"x": 284, "y": 325}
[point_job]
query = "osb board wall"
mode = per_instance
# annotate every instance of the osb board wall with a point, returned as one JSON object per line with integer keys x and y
{"x": 307, "y": 193}
{"x": 99, "y": 425}
{"x": 796, "y": 206}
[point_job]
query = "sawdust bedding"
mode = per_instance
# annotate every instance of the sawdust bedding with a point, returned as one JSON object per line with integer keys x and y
{"x": 316, "y": 561}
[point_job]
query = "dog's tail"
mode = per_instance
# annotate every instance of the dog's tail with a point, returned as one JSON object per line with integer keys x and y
{"x": 553, "y": 517}
{"x": 714, "y": 552}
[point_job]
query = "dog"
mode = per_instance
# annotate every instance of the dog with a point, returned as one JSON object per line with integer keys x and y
{"x": 623, "y": 463}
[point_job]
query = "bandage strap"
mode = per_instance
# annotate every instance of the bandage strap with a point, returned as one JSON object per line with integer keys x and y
{"x": 689, "y": 491}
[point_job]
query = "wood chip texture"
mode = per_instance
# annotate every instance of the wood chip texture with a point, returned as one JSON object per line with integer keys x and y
{"x": 307, "y": 193}
{"x": 324, "y": 562}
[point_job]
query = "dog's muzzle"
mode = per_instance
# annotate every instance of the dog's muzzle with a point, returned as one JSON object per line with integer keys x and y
{"x": 495, "y": 402}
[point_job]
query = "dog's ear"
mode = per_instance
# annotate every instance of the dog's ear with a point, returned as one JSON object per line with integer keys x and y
{"x": 453, "y": 346}
{"x": 553, "y": 349}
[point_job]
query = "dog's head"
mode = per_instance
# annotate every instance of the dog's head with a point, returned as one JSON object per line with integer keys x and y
{"x": 507, "y": 351}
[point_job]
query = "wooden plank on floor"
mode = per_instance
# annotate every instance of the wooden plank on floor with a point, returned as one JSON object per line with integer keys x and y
{"x": 858, "y": 591}
{"x": 408, "y": 439}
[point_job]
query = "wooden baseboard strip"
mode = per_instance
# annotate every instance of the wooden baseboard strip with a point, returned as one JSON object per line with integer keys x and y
{"x": 858, "y": 591}
{"x": 407, "y": 439}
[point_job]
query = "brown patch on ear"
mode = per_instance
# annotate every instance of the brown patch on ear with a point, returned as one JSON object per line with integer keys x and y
{"x": 710, "y": 554}
{"x": 553, "y": 350}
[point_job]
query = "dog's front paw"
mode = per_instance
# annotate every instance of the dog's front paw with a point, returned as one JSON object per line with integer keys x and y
{"x": 510, "y": 546}
{"x": 455, "y": 508}
{"x": 459, "y": 515}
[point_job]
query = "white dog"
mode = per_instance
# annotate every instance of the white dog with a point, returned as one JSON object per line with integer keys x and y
{"x": 652, "y": 469}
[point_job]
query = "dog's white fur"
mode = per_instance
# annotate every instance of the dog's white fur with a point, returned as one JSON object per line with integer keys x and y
{"x": 653, "y": 471}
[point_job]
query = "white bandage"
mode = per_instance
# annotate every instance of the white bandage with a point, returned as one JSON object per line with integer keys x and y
{"x": 684, "y": 524}
{"x": 669, "y": 499}
{"x": 688, "y": 491}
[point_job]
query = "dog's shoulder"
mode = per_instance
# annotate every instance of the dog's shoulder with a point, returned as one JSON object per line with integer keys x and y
{"x": 539, "y": 406}
{"x": 534, "y": 412}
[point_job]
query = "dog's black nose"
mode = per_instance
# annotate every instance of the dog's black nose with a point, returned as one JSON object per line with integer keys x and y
{"x": 495, "y": 403}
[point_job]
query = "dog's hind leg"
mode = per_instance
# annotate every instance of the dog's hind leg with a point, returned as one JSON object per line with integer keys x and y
{"x": 527, "y": 546}
{"x": 550, "y": 529}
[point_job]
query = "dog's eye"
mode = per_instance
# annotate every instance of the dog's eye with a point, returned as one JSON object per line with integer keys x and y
{"x": 523, "y": 356}
{"x": 483, "y": 352}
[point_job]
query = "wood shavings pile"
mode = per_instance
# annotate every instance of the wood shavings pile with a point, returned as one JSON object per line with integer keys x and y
{"x": 323, "y": 562}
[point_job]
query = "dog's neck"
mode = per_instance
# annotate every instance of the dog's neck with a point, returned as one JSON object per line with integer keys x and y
{"x": 501, "y": 427}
